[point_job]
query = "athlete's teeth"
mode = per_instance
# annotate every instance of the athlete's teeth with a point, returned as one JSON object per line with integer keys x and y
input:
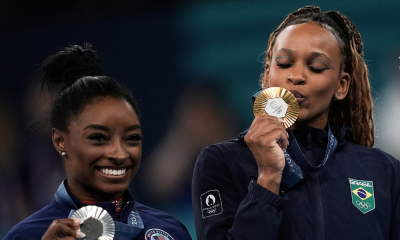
{"x": 113, "y": 172}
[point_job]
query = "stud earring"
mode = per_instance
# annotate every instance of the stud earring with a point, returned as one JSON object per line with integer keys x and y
{"x": 338, "y": 95}
{"x": 62, "y": 153}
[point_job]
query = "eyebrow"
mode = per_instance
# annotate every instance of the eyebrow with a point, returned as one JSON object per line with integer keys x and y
{"x": 318, "y": 54}
{"x": 133, "y": 127}
{"x": 312, "y": 54}
{"x": 284, "y": 50}
{"x": 104, "y": 128}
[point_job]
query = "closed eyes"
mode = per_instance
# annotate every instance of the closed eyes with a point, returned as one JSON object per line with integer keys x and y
{"x": 315, "y": 69}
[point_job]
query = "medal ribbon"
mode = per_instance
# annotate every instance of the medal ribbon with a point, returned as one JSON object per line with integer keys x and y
{"x": 292, "y": 172}
{"x": 133, "y": 227}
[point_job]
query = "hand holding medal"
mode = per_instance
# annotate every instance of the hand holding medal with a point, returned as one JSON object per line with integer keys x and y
{"x": 275, "y": 110}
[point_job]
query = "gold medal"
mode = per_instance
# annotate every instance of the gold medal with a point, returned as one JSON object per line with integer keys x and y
{"x": 97, "y": 223}
{"x": 278, "y": 102}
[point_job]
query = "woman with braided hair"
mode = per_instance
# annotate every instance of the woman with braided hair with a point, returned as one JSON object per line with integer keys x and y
{"x": 97, "y": 132}
{"x": 319, "y": 179}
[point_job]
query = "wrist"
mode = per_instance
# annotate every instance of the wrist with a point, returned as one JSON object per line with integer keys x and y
{"x": 270, "y": 181}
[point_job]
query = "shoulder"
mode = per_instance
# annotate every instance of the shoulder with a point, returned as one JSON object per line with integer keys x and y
{"x": 34, "y": 226}
{"x": 156, "y": 215}
{"x": 224, "y": 152}
{"x": 371, "y": 153}
{"x": 225, "y": 165}
{"x": 370, "y": 159}
{"x": 154, "y": 219}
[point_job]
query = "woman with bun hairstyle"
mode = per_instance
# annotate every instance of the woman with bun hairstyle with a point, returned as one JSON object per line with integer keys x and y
{"x": 96, "y": 130}
{"x": 319, "y": 179}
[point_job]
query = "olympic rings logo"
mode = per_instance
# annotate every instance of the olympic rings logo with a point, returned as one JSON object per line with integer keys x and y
{"x": 273, "y": 105}
{"x": 363, "y": 205}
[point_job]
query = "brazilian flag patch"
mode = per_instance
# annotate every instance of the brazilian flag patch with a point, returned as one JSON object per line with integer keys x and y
{"x": 362, "y": 194}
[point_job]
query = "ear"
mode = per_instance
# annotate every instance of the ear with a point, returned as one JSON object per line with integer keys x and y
{"x": 264, "y": 81}
{"x": 343, "y": 88}
{"x": 58, "y": 138}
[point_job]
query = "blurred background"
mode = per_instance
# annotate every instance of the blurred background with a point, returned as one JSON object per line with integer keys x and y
{"x": 192, "y": 66}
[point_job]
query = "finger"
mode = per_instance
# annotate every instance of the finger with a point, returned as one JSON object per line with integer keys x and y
{"x": 276, "y": 136}
{"x": 264, "y": 128}
{"x": 264, "y": 124}
{"x": 66, "y": 227}
{"x": 77, "y": 223}
{"x": 284, "y": 141}
{"x": 260, "y": 119}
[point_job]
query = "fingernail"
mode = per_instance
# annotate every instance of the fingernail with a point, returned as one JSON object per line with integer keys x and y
{"x": 80, "y": 234}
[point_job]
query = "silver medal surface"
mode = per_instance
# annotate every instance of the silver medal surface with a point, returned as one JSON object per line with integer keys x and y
{"x": 97, "y": 223}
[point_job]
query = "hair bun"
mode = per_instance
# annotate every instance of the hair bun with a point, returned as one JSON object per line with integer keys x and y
{"x": 65, "y": 67}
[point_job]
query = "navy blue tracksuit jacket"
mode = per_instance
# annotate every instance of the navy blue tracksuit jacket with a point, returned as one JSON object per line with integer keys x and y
{"x": 355, "y": 195}
{"x": 134, "y": 222}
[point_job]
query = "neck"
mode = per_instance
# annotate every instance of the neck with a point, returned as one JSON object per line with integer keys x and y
{"x": 86, "y": 196}
{"x": 320, "y": 125}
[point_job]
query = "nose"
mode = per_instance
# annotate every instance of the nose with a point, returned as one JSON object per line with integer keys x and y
{"x": 117, "y": 152}
{"x": 297, "y": 76}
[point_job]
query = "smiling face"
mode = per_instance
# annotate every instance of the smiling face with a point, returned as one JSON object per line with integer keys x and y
{"x": 306, "y": 59}
{"x": 103, "y": 149}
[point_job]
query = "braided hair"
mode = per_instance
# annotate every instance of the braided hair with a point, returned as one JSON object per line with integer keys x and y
{"x": 356, "y": 109}
{"x": 74, "y": 78}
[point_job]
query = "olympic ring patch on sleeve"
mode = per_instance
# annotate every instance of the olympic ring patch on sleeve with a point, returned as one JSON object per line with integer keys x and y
{"x": 211, "y": 203}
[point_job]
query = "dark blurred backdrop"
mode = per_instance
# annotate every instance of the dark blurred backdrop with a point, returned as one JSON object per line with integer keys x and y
{"x": 192, "y": 66}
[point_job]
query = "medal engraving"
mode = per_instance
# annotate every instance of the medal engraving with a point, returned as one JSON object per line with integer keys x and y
{"x": 92, "y": 228}
{"x": 276, "y": 107}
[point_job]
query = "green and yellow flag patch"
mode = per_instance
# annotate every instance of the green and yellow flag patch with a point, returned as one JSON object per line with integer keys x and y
{"x": 362, "y": 194}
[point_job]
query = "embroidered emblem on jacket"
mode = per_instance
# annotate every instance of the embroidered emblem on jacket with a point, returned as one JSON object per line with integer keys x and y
{"x": 157, "y": 234}
{"x": 362, "y": 194}
{"x": 211, "y": 203}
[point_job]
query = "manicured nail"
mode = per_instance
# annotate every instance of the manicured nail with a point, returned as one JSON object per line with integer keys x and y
{"x": 80, "y": 234}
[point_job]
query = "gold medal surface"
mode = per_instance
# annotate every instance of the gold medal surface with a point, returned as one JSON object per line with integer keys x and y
{"x": 278, "y": 102}
{"x": 97, "y": 223}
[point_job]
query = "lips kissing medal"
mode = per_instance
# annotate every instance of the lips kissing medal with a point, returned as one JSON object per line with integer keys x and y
{"x": 278, "y": 102}
{"x": 97, "y": 223}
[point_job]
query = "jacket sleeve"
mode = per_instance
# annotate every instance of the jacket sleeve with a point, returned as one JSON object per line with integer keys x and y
{"x": 221, "y": 212}
{"x": 395, "y": 219}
